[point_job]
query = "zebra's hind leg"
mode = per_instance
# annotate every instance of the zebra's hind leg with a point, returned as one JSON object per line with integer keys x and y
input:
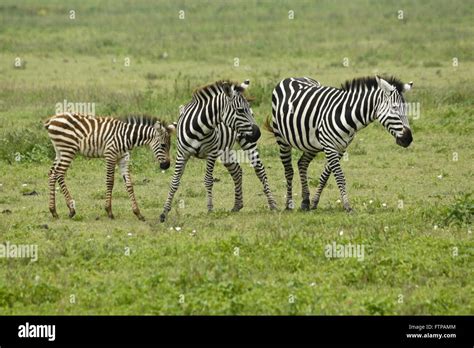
{"x": 125, "y": 172}
{"x": 333, "y": 162}
{"x": 60, "y": 174}
{"x": 236, "y": 172}
{"x": 178, "y": 172}
{"x": 209, "y": 180}
{"x": 303, "y": 164}
{"x": 52, "y": 190}
{"x": 110, "y": 164}
{"x": 322, "y": 183}
{"x": 285, "y": 156}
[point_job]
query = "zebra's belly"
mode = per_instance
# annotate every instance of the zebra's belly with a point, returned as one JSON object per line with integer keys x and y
{"x": 90, "y": 150}
{"x": 304, "y": 139}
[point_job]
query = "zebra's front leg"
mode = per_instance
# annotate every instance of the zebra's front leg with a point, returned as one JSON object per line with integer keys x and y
{"x": 254, "y": 157}
{"x": 285, "y": 156}
{"x": 125, "y": 172}
{"x": 303, "y": 164}
{"x": 209, "y": 180}
{"x": 236, "y": 172}
{"x": 178, "y": 172}
{"x": 322, "y": 183}
{"x": 335, "y": 166}
{"x": 110, "y": 164}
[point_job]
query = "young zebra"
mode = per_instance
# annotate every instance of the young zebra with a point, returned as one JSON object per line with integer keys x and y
{"x": 209, "y": 124}
{"x": 103, "y": 137}
{"x": 315, "y": 118}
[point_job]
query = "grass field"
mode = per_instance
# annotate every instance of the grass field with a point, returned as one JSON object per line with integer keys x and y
{"x": 413, "y": 207}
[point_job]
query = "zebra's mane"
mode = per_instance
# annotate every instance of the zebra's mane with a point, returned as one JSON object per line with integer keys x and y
{"x": 145, "y": 120}
{"x": 371, "y": 82}
{"x": 217, "y": 85}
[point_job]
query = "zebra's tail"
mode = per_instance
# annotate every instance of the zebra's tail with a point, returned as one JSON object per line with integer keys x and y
{"x": 47, "y": 122}
{"x": 268, "y": 125}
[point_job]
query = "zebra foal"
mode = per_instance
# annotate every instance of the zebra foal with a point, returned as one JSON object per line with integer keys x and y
{"x": 106, "y": 137}
{"x": 315, "y": 118}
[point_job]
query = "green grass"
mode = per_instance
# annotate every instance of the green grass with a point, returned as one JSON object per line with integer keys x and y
{"x": 418, "y": 258}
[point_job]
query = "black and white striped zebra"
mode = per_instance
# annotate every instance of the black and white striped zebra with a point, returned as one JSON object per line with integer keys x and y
{"x": 315, "y": 118}
{"x": 107, "y": 137}
{"x": 217, "y": 116}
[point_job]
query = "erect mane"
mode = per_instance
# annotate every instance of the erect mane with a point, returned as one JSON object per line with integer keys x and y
{"x": 370, "y": 82}
{"x": 218, "y": 85}
{"x": 145, "y": 120}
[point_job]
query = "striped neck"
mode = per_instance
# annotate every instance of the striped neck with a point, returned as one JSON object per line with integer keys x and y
{"x": 211, "y": 105}
{"x": 361, "y": 107}
{"x": 138, "y": 134}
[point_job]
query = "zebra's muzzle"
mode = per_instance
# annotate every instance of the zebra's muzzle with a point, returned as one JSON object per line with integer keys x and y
{"x": 254, "y": 135}
{"x": 165, "y": 165}
{"x": 406, "y": 138}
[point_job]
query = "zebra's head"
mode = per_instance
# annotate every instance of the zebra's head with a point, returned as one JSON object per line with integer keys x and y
{"x": 392, "y": 111}
{"x": 237, "y": 113}
{"x": 160, "y": 144}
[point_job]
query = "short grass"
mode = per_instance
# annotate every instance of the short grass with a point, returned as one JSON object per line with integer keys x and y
{"x": 413, "y": 211}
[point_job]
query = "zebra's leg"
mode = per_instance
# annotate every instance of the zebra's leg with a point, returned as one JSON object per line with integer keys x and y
{"x": 285, "y": 156}
{"x": 252, "y": 153}
{"x": 52, "y": 189}
{"x": 303, "y": 164}
{"x": 236, "y": 172}
{"x": 111, "y": 162}
{"x": 60, "y": 173}
{"x": 178, "y": 172}
{"x": 335, "y": 166}
{"x": 125, "y": 172}
{"x": 322, "y": 183}
{"x": 209, "y": 180}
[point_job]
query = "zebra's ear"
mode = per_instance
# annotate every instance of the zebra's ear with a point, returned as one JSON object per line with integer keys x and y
{"x": 407, "y": 86}
{"x": 171, "y": 128}
{"x": 384, "y": 85}
{"x": 228, "y": 89}
{"x": 244, "y": 85}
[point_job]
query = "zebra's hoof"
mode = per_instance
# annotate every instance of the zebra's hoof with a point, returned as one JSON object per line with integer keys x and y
{"x": 305, "y": 205}
{"x": 162, "y": 217}
{"x": 111, "y": 216}
{"x": 54, "y": 213}
{"x": 236, "y": 208}
{"x": 273, "y": 207}
{"x": 141, "y": 217}
{"x": 72, "y": 213}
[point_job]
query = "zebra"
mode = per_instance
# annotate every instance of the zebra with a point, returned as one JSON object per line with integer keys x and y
{"x": 315, "y": 118}
{"x": 105, "y": 137}
{"x": 217, "y": 116}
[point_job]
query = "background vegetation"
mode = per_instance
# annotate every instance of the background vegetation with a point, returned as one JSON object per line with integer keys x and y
{"x": 418, "y": 258}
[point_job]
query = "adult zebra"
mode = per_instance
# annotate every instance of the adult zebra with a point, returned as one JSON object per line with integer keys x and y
{"x": 217, "y": 116}
{"x": 103, "y": 137}
{"x": 315, "y": 118}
